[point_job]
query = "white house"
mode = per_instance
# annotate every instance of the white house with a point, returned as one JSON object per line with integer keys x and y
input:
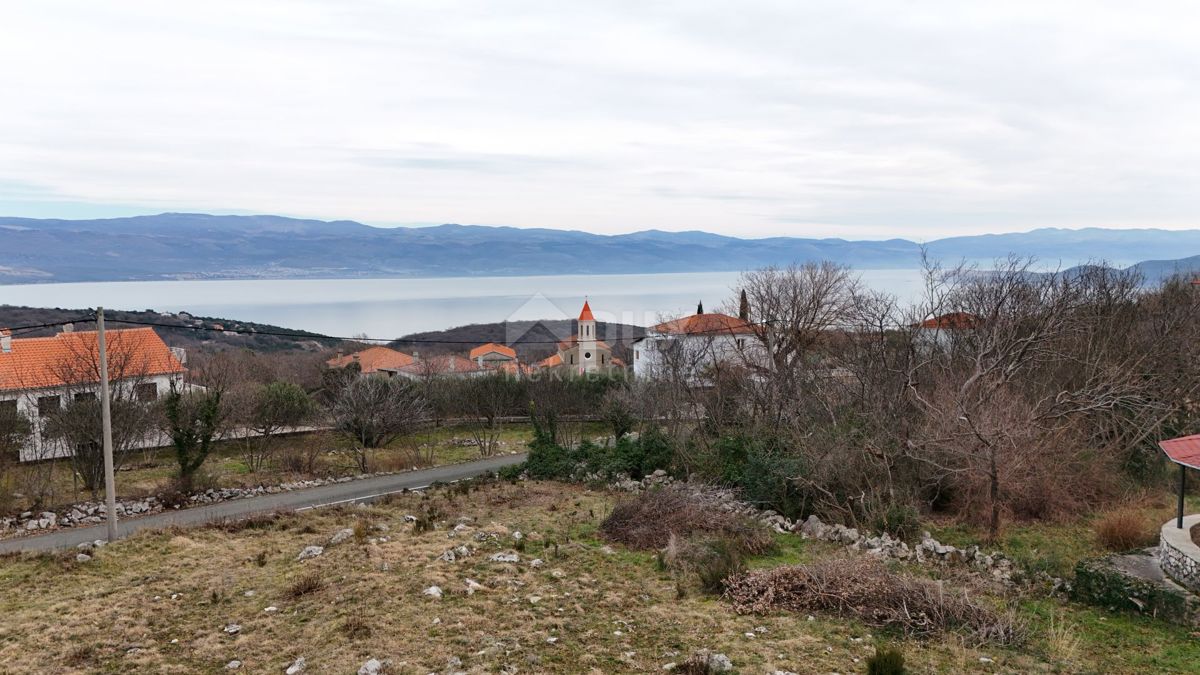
{"x": 40, "y": 375}
{"x": 693, "y": 344}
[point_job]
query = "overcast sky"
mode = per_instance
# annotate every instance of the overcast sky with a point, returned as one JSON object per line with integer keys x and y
{"x": 850, "y": 119}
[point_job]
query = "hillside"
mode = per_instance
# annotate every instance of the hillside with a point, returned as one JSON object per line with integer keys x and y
{"x": 532, "y": 339}
{"x": 201, "y": 246}
{"x": 196, "y": 600}
{"x": 177, "y": 330}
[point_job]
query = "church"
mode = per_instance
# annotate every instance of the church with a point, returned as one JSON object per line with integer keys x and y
{"x": 583, "y": 352}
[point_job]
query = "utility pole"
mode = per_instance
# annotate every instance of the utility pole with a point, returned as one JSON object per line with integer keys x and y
{"x": 110, "y": 481}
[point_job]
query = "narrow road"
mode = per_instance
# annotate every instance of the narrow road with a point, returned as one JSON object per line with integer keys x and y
{"x": 363, "y": 490}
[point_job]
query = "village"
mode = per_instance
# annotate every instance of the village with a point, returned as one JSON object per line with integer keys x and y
{"x": 707, "y": 410}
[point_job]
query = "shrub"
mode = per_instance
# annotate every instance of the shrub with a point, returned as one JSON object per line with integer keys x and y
{"x": 1124, "y": 530}
{"x": 649, "y": 519}
{"x": 868, "y": 591}
{"x": 762, "y": 471}
{"x": 712, "y": 560}
{"x": 628, "y": 456}
{"x": 356, "y": 627}
{"x": 898, "y": 520}
{"x": 886, "y": 661}
{"x": 305, "y": 585}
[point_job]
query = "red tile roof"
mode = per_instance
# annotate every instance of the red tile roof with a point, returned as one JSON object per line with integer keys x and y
{"x": 550, "y": 361}
{"x": 441, "y": 365}
{"x": 72, "y": 358}
{"x": 586, "y": 313}
{"x": 372, "y": 359}
{"x": 1185, "y": 450}
{"x": 492, "y": 347}
{"x": 951, "y": 321}
{"x": 704, "y": 324}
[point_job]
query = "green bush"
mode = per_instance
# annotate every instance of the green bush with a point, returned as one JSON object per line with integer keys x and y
{"x": 901, "y": 521}
{"x": 762, "y": 470}
{"x": 886, "y": 661}
{"x": 629, "y": 456}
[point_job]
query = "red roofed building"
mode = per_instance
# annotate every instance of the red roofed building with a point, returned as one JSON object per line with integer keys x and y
{"x": 493, "y": 355}
{"x": 694, "y": 344}
{"x": 40, "y": 375}
{"x": 951, "y": 321}
{"x": 372, "y": 360}
{"x": 442, "y": 365}
{"x": 583, "y": 352}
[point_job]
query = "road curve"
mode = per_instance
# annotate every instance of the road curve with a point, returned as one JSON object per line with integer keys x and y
{"x": 295, "y": 500}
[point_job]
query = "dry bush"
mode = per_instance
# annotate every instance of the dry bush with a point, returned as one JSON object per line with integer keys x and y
{"x": 712, "y": 560}
{"x": 233, "y": 526}
{"x": 868, "y": 591}
{"x": 305, "y": 585}
{"x": 356, "y": 627}
{"x": 647, "y": 520}
{"x": 1125, "y": 529}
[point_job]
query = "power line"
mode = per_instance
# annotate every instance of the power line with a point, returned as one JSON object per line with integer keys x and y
{"x": 14, "y": 330}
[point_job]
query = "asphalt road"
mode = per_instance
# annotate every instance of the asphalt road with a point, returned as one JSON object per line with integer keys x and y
{"x": 295, "y": 500}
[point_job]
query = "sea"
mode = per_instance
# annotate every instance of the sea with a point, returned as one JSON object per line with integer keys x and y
{"x": 389, "y": 308}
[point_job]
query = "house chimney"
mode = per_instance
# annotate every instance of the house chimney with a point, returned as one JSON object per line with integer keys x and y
{"x": 5, "y": 341}
{"x": 68, "y": 328}
{"x": 700, "y": 307}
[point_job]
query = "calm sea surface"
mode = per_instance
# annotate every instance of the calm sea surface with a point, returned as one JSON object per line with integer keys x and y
{"x": 386, "y": 308}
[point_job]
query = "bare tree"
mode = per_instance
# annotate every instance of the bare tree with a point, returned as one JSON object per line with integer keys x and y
{"x": 371, "y": 412}
{"x": 76, "y": 421}
{"x": 484, "y": 400}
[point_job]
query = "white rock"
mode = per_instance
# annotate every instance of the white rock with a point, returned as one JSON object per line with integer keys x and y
{"x": 340, "y": 536}
{"x": 371, "y": 667}
{"x": 536, "y": 562}
{"x": 233, "y": 629}
{"x": 433, "y": 592}
{"x": 297, "y": 666}
{"x": 505, "y": 557}
{"x": 517, "y": 536}
{"x": 473, "y": 586}
{"x": 271, "y": 610}
{"x": 82, "y": 558}
{"x": 233, "y": 665}
{"x": 310, "y": 552}
{"x": 719, "y": 663}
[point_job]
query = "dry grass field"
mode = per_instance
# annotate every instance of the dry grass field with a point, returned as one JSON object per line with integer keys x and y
{"x": 161, "y": 602}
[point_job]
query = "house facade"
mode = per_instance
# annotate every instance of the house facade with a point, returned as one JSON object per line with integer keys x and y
{"x": 41, "y": 375}
{"x": 691, "y": 345}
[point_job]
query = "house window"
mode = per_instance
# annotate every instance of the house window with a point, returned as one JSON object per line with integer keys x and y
{"x": 9, "y": 407}
{"x": 741, "y": 343}
{"x": 85, "y": 396}
{"x": 587, "y": 355}
{"x": 48, "y": 405}
{"x": 147, "y": 391}
{"x": 572, "y": 359}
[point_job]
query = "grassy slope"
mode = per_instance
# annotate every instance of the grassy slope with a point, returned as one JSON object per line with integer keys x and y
{"x": 610, "y": 612}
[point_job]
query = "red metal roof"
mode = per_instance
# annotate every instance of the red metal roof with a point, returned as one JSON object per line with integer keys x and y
{"x": 1185, "y": 450}
{"x": 586, "y": 313}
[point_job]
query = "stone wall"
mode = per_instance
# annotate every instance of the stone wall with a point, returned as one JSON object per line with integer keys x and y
{"x": 1178, "y": 556}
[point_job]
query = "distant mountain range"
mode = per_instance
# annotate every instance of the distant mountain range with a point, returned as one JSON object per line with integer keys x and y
{"x": 201, "y": 246}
